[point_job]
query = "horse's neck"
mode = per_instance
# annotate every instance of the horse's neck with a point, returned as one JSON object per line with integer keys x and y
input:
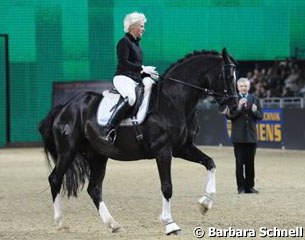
{"x": 182, "y": 96}
{"x": 179, "y": 96}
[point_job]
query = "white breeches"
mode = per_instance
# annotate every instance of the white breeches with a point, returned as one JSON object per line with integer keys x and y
{"x": 126, "y": 87}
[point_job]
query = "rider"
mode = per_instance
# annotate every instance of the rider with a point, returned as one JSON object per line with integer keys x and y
{"x": 129, "y": 71}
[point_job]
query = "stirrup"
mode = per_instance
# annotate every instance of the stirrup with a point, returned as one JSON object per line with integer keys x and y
{"x": 111, "y": 136}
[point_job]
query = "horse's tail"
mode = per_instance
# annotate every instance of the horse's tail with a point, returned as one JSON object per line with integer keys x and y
{"x": 78, "y": 171}
{"x": 46, "y": 131}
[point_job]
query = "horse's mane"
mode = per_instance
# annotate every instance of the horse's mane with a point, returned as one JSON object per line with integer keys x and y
{"x": 188, "y": 56}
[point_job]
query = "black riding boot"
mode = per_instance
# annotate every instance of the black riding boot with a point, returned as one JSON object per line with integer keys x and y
{"x": 109, "y": 131}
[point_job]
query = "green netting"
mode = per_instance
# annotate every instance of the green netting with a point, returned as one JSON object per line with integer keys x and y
{"x": 55, "y": 40}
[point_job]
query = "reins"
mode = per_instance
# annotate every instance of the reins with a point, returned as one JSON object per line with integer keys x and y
{"x": 206, "y": 91}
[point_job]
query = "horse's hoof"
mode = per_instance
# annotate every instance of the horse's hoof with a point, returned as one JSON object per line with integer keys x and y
{"x": 172, "y": 229}
{"x": 115, "y": 227}
{"x": 205, "y": 203}
{"x": 202, "y": 208}
{"x": 63, "y": 229}
{"x": 59, "y": 219}
{"x": 176, "y": 233}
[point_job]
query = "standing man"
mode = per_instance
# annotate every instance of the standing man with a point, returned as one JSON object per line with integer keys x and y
{"x": 244, "y": 135}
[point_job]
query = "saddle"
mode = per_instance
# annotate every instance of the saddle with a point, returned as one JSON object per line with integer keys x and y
{"x": 137, "y": 113}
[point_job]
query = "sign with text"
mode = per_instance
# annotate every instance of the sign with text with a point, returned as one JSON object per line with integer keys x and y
{"x": 269, "y": 129}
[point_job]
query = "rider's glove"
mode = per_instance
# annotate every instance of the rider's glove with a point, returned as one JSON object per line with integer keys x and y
{"x": 149, "y": 70}
{"x": 155, "y": 77}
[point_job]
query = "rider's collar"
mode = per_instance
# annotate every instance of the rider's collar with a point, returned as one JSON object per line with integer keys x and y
{"x": 131, "y": 38}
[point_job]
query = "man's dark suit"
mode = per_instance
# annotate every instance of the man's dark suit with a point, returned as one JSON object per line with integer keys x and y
{"x": 244, "y": 139}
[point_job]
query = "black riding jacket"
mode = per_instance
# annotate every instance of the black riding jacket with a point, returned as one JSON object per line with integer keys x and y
{"x": 244, "y": 121}
{"x": 129, "y": 55}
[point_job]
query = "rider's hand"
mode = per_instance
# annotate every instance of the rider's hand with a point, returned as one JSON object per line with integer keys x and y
{"x": 155, "y": 77}
{"x": 149, "y": 70}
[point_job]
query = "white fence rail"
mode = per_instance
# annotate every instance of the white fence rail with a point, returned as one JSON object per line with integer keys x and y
{"x": 287, "y": 102}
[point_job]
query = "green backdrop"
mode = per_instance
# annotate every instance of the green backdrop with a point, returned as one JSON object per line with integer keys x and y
{"x": 65, "y": 40}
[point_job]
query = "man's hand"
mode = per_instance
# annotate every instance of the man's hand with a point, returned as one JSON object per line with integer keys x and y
{"x": 254, "y": 108}
{"x": 242, "y": 102}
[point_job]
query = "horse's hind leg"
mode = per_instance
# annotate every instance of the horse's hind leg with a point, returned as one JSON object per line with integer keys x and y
{"x": 65, "y": 141}
{"x": 97, "y": 164}
{"x": 193, "y": 154}
{"x": 56, "y": 179}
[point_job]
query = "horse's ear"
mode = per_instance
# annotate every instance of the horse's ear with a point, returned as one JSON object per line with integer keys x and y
{"x": 225, "y": 55}
{"x": 224, "y": 51}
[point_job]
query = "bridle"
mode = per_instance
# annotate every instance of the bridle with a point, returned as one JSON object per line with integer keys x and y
{"x": 227, "y": 75}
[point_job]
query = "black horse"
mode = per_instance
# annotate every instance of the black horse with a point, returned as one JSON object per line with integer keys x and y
{"x": 71, "y": 134}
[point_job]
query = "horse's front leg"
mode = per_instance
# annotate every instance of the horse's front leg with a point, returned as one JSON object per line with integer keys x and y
{"x": 193, "y": 154}
{"x": 164, "y": 159}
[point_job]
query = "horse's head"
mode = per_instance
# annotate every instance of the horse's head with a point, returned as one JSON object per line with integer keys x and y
{"x": 228, "y": 80}
{"x": 221, "y": 80}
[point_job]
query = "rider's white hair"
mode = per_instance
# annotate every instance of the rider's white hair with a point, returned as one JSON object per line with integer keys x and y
{"x": 132, "y": 19}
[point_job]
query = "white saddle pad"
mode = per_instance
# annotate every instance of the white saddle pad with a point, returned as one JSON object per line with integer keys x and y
{"x": 106, "y": 106}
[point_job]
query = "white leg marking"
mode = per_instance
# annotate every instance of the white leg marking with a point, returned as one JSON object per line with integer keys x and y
{"x": 107, "y": 218}
{"x": 206, "y": 201}
{"x": 58, "y": 216}
{"x": 211, "y": 183}
{"x": 166, "y": 215}
{"x": 167, "y": 220}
